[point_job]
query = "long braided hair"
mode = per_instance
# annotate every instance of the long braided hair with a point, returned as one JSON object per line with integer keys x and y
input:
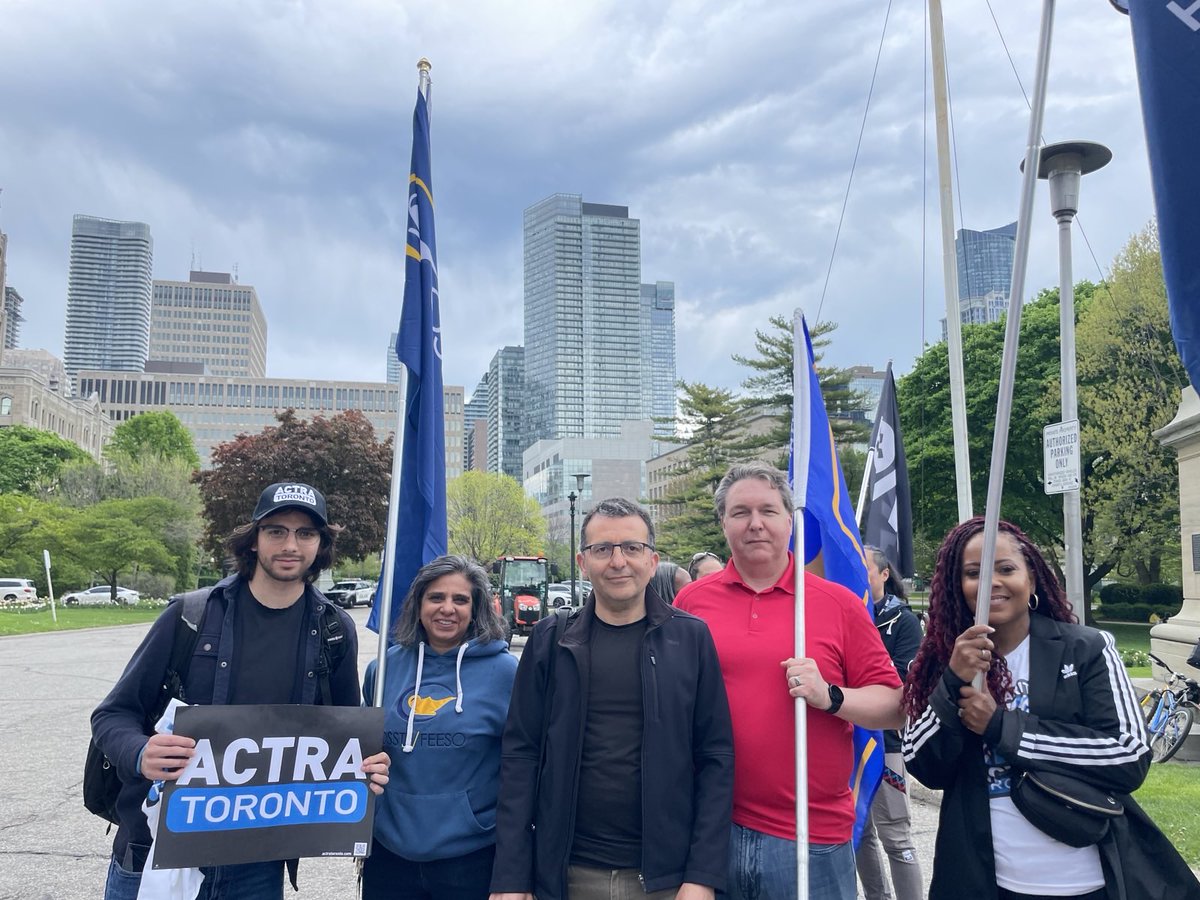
{"x": 949, "y": 616}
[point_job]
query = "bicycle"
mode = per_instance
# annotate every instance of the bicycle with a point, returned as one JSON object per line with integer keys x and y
{"x": 1169, "y": 713}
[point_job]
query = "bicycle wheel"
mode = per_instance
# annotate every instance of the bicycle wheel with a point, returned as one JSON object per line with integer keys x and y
{"x": 1175, "y": 730}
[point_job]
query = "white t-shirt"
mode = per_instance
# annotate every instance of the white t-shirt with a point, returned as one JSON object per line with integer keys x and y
{"x": 1029, "y": 861}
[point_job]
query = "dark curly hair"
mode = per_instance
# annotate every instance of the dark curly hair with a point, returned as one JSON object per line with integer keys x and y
{"x": 949, "y": 616}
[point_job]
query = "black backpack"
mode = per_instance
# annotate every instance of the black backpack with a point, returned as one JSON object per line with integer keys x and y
{"x": 101, "y": 786}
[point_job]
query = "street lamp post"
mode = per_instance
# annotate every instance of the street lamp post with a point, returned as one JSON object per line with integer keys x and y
{"x": 1062, "y": 165}
{"x": 577, "y": 494}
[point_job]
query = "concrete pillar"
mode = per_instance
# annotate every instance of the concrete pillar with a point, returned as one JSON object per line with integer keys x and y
{"x": 1173, "y": 640}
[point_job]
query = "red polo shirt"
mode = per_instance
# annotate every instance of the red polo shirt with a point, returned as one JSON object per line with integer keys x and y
{"x": 754, "y": 632}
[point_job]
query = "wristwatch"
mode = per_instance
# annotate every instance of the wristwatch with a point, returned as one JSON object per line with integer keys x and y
{"x": 836, "y": 698}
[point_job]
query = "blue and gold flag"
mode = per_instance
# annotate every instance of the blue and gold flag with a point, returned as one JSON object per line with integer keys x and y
{"x": 832, "y": 547}
{"x": 421, "y": 532}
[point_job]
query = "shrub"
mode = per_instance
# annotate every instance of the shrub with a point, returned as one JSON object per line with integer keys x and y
{"x": 1120, "y": 593}
{"x": 1167, "y": 599}
{"x": 1135, "y": 658}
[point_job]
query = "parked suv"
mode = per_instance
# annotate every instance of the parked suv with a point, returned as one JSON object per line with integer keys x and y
{"x": 13, "y": 589}
{"x": 352, "y": 592}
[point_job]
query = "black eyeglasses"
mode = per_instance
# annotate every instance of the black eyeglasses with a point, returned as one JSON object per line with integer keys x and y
{"x": 279, "y": 534}
{"x": 629, "y": 549}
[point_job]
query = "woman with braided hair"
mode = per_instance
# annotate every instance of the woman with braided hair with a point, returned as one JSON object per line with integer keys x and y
{"x": 1057, "y": 704}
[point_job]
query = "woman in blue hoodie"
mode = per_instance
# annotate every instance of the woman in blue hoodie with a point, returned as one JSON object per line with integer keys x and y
{"x": 447, "y": 684}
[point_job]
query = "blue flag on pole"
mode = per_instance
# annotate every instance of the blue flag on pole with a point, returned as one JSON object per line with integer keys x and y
{"x": 421, "y": 535}
{"x": 1166, "y": 43}
{"x": 831, "y": 536}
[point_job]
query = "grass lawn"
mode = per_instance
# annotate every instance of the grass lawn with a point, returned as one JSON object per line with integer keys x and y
{"x": 15, "y": 621}
{"x": 1129, "y": 635}
{"x": 1171, "y": 796}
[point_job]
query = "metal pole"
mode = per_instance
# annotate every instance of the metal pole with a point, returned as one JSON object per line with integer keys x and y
{"x": 1012, "y": 330}
{"x": 958, "y": 401}
{"x": 800, "y": 414}
{"x": 1072, "y": 519}
{"x": 572, "y": 498}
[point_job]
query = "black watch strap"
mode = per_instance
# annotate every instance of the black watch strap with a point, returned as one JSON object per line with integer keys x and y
{"x": 836, "y": 699}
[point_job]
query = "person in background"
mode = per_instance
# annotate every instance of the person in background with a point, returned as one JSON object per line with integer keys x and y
{"x": 668, "y": 580}
{"x": 704, "y": 563}
{"x": 1056, "y": 703}
{"x": 447, "y": 684}
{"x": 890, "y": 821}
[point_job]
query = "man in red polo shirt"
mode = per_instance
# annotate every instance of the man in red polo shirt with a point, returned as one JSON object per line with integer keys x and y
{"x": 847, "y": 679}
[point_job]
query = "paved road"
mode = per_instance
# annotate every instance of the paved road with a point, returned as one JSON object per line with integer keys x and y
{"x": 51, "y": 848}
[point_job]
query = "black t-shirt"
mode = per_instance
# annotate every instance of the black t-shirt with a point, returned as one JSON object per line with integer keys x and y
{"x": 608, "y": 819}
{"x": 266, "y": 645}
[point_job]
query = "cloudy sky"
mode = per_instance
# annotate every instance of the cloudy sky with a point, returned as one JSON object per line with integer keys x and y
{"x": 274, "y": 136}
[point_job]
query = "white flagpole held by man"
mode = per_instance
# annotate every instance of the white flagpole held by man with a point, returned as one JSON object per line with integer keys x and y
{"x": 801, "y": 447}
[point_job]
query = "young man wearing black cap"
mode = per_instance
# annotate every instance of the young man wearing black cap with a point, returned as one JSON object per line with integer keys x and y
{"x": 259, "y": 641}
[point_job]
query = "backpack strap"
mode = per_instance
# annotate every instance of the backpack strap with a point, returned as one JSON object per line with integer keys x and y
{"x": 332, "y": 650}
{"x": 192, "y": 607}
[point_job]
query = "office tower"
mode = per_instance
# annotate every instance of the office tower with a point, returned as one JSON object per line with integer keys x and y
{"x": 3, "y": 291}
{"x": 393, "y": 361}
{"x": 506, "y": 435}
{"x": 108, "y": 296}
{"x": 584, "y": 372}
{"x": 658, "y": 349}
{"x": 212, "y": 320}
{"x": 11, "y": 318}
{"x": 985, "y": 260}
{"x": 453, "y": 430}
{"x": 475, "y": 415}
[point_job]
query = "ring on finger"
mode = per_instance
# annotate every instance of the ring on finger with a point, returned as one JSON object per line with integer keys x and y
{"x": 795, "y": 681}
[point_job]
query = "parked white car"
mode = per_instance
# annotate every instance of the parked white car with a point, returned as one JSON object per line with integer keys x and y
{"x": 14, "y": 589}
{"x": 352, "y": 592}
{"x": 100, "y": 594}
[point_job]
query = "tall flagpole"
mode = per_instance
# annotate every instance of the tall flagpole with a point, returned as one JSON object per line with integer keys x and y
{"x": 1012, "y": 329}
{"x": 958, "y": 401}
{"x": 384, "y": 594}
{"x": 800, "y": 414}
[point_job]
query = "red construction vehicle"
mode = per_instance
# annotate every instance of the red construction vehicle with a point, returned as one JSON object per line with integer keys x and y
{"x": 522, "y": 593}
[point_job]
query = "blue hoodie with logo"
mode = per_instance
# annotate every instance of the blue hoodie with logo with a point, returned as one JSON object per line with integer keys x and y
{"x": 440, "y": 800}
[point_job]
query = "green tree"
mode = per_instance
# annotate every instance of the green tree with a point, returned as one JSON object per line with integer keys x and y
{"x": 29, "y": 525}
{"x": 32, "y": 457}
{"x": 923, "y": 396}
{"x": 488, "y": 515}
{"x": 339, "y": 456}
{"x": 153, "y": 434}
{"x": 1130, "y": 378}
{"x": 770, "y": 388}
{"x": 116, "y": 536}
{"x": 714, "y": 418}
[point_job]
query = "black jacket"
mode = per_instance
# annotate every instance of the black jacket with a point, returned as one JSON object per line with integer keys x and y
{"x": 119, "y": 723}
{"x": 900, "y": 631}
{"x": 1078, "y": 693}
{"x": 687, "y": 757}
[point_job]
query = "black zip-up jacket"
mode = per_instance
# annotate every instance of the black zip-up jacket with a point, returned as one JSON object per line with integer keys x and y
{"x": 1083, "y": 721}
{"x": 687, "y": 757}
{"x": 900, "y": 631}
{"x": 119, "y": 723}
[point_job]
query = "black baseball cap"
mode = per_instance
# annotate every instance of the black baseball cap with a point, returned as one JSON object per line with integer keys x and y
{"x": 291, "y": 495}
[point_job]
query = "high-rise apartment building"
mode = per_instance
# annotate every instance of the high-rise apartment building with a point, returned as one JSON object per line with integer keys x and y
{"x": 584, "y": 372}
{"x": 393, "y": 361}
{"x": 658, "y": 351}
{"x": 11, "y": 317}
{"x": 212, "y": 320}
{"x": 985, "y": 260}
{"x": 507, "y": 403}
{"x": 108, "y": 296}
{"x": 475, "y": 415}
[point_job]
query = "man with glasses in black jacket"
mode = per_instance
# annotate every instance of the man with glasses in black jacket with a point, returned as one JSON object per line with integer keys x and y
{"x": 617, "y": 770}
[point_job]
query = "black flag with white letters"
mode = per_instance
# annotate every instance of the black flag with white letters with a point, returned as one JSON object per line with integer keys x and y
{"x": 887, "y": 519}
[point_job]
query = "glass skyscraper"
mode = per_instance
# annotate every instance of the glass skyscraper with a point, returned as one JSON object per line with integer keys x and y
{"x": 658, "y": 350}
{"x": 108, "y": 296}
{"x": 506, "y": 405}
{"x": 985, "y": 260}
{"x": 584, "y": 370}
